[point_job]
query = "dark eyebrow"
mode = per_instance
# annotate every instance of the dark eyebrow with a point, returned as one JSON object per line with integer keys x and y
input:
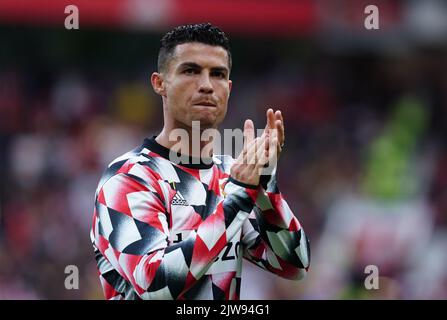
{"x": 190, "y": 65}
{"x": 194, "y": 65}
{"x": 220, "y": 69}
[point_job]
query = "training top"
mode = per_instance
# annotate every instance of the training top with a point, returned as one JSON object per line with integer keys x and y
{"x": 168, "y": 230}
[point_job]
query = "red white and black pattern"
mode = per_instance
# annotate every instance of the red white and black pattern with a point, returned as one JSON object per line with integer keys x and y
{"x": 169, "y": 231}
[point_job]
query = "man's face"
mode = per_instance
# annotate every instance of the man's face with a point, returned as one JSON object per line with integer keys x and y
{"x": 196, "y": 84}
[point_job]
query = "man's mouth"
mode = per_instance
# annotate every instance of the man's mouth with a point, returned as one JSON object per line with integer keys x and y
{"x": 205, "y": 103}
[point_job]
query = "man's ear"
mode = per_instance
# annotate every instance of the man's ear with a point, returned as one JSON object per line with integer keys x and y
{"x": 230, "y": 85}
{"x": 158, "y": 83}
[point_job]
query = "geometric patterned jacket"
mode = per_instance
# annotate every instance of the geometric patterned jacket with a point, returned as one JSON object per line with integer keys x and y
{"x": 163, "y": 230}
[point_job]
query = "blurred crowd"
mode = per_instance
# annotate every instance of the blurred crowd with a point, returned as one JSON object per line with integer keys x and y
{"x": 364, "y": 167}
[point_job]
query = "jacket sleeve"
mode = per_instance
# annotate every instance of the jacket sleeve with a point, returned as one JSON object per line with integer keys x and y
{"x": 272, "y": 236}
{"x": 130, "y": 229}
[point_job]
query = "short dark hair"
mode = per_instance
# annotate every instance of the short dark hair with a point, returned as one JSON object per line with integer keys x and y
{"x": 203, "y": 32}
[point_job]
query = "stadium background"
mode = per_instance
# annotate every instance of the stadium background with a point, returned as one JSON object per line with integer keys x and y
{"x": 365, "y": 167}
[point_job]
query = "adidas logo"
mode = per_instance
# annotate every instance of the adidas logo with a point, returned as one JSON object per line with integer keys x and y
{"x": 178, "y": 200}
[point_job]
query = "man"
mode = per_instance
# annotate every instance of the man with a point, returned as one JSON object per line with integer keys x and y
{"x": 167, "y": 230}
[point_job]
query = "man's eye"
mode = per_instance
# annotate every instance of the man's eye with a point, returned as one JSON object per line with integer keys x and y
{"x": 220, "y": 75}
{"x": 189, "y": 71}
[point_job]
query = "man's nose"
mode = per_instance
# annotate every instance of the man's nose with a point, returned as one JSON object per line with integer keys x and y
{"x": 205, "y": 85}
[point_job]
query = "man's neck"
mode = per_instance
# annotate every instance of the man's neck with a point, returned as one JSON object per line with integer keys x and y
{"x": 186, "y": 141}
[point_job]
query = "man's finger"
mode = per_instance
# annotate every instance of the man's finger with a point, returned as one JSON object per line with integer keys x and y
{"x": 280, "y": 127}
{"x": 249, "y": 130}
{"x": 253, "y": 149}
{"x": 280, "y": 131}
{"x": 280, "y": 116}
{"x": 270, "y": 119}
{"x": 249, "y": 133}
{"x": 273, "y": 146}
{"x": 263, "y": 153}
